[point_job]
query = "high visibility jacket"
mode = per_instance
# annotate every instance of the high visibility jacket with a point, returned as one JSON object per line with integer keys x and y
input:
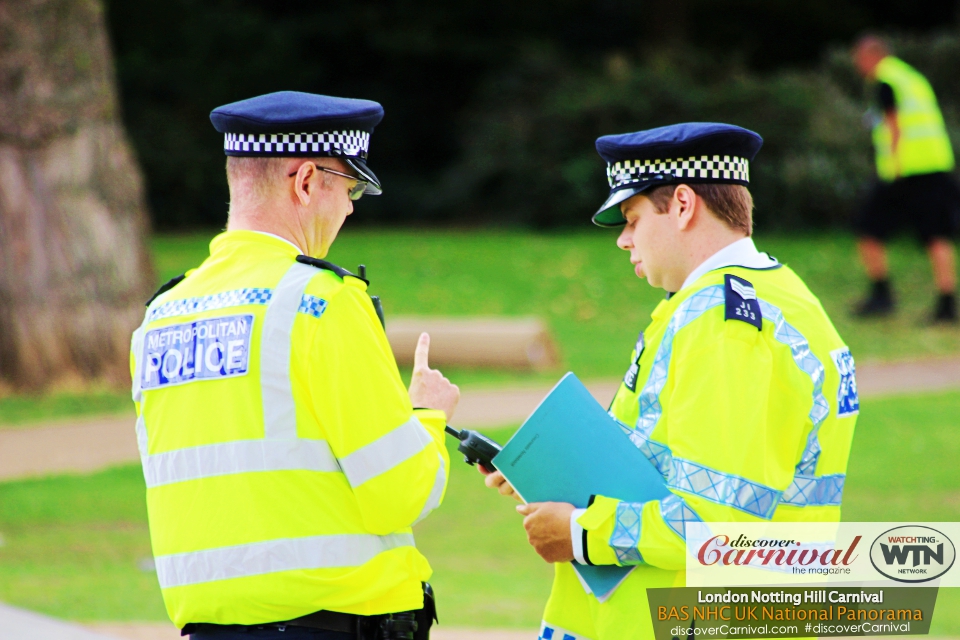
{"x": 284, "y": 463}
{"x": 743, "y": 396}
{"x": 923, "y": 146}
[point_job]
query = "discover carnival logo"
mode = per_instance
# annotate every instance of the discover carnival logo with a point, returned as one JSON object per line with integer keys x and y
{"x": 807, "y": 558}
{"x": 912, "y": 553}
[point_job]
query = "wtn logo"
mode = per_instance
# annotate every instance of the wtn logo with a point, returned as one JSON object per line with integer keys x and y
{"x": 900, "y": 554}
{"x": 912, "y": 553}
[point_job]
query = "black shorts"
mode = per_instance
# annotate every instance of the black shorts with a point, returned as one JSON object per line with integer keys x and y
{"x": 928, "y": 205}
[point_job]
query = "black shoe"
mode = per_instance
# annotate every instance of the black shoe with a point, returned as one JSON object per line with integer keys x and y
{"x": 879, "y": 303}
{"x": 945, "y": 309}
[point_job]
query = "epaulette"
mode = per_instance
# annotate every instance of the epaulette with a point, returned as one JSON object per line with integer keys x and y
{"x": 166, "y": 287}
{"x": 329, "y": 266}
{"x": 741, "y": 301}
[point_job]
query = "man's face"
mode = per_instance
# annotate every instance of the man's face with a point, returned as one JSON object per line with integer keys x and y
{"x": 651, "y": 239}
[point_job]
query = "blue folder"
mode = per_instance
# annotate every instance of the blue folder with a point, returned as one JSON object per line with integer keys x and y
{"x": 569, "y": 449}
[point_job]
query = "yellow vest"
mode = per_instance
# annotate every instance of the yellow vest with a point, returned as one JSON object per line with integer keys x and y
{"x": 284, "y": 463}
{"x": 923, "y": 146}
{"x": 745, "y": 424}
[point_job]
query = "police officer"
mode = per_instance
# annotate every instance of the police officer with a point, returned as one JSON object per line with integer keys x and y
{"x": 284, "y": 460}
{"x": 915, "y": 188}
{"x": 739, "y": 391}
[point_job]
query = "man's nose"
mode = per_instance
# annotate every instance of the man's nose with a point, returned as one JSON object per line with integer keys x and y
{"x": 625, "y": 240}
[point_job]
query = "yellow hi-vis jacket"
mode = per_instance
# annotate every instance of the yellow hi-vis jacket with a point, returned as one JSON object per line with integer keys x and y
{"x": 743, "y": 396}
{"x": 283, "y": 460}
{"x": 923, "y": 146}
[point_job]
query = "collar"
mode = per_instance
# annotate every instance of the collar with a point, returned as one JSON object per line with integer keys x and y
{"x": 742, "y": 253}
{"x": 222, "y": 241}
{"x": 273, "y": 235}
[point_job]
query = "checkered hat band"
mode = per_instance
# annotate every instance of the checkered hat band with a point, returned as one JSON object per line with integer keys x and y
{"x": 354, "y": 144}
{"x": 719, "y": 168}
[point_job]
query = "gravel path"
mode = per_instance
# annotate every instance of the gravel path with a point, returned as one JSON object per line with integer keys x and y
{"x": 89, "y": 444}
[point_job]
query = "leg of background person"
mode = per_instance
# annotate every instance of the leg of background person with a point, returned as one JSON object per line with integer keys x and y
{"x": 943, "y": 261}
{"x": 879, "y": 302}
{"x": 873, "y": 253}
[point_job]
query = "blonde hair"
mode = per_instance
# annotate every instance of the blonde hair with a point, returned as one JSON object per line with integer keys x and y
{"x": 252, "y": 178}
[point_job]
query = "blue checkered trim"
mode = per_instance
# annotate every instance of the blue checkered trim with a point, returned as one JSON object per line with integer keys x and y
{"x": 187, "y": 306}
{"x": 688, "y": 311}
{"x": 785, "y": 333}
{"x": 677, "y": 514}
{"x": 812, "y": 491}
{"x": 354, "y": 144}
{"x": 553, "y": 632}
{"x": 312, "y": 305}
{"x": 724, "y": 488}
{"x": 626, "y": 533}
{"x": 719, "y": 168}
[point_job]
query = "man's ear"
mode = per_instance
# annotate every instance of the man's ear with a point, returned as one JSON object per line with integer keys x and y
{"x": 302, "y": 187}
{"x": 685, "y": 203}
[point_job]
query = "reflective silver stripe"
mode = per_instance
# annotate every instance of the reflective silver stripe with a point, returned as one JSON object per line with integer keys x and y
{"x": 239, "y": 456}
{"x": 436, "y": 493}
{"x": 279, "y": 413}
{"x": 649, "y": 399}
{"x": 141, "y": 428}
{"x": 285, "y": 554}
{"x": 815, "y": 491}
{"x": 385, "y": 452}
{"x": 786, "y": 334}
{"x": 136, "y": 346}
{"x": 724, "y": 488}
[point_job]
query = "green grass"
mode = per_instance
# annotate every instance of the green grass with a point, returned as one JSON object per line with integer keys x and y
{"x": 20, "y": 411}
{"x": 579, "y": 283}
{"x": 72, "y": 544}
{"x": 584, "y": 287}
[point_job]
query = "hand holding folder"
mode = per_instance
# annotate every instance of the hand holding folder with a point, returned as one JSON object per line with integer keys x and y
{"x": 569, "y": 449}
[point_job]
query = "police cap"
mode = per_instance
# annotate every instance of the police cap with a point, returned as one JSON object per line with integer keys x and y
{"x": 296, "y": 124}
{"x": 691, "y": 152}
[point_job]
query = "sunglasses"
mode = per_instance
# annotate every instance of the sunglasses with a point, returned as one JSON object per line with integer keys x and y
{"x": 356, "y": 191}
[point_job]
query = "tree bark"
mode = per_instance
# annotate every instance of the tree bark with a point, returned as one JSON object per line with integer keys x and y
{"x": 74, "y": 267}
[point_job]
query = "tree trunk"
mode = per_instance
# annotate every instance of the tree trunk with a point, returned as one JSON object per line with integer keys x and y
{"x": 74, "y": 267}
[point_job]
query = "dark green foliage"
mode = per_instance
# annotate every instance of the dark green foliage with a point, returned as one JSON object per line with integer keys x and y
{"x": 492, "y": 106}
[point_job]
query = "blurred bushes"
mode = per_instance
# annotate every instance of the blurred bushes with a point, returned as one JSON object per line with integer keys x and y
{"x": 529, "y": 153}
{"x": 492, "y": 107}
{"x": 528, "y": 139}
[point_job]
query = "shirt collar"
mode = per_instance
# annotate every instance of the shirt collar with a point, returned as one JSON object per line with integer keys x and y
{"x": 273, "y": 235}
{"x": 228, "y": 241}
{"x": 742, "y": 253}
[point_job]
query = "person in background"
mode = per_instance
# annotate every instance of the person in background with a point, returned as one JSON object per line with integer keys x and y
{"x": 915, "y": 188}
{"x": 740, "y": 392}
{"x": 284, "y": 460}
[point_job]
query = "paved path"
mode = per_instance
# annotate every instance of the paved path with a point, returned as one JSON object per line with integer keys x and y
{"x": 90, "y": 444}
{"x": 20, "y": 624}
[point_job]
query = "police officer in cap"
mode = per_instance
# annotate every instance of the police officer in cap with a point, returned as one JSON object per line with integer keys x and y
{"x": 739, "y": 391}
{"x": 284, "y": 460}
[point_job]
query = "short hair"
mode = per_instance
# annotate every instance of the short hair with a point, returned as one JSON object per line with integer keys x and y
{"x": 252, "y": 177}
{"x": 731, "y": 203}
